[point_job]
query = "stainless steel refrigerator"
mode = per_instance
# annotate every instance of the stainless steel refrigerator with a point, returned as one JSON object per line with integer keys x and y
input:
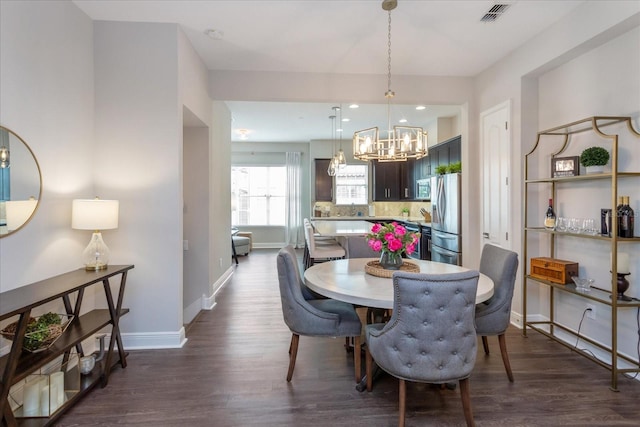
{"x": 446, "y": 227}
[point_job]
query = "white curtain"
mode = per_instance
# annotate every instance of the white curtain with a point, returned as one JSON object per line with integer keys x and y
{"x": 293, "y": 225}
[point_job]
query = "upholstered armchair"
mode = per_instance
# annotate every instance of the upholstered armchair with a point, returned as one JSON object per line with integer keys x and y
{"x": 431, "y": 336}
{"x": 308, "y": 316}
{"x": 492, "y": 316}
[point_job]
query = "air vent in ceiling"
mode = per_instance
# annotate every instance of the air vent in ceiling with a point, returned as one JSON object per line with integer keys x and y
{"x": 495, "y": 12}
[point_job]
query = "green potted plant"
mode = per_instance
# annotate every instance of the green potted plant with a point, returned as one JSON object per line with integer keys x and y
{"x": 405, "y": 212}
{"x": 441, "y": 169}
{"x": 455, "y": 167}
{"x": 594, "y": 159}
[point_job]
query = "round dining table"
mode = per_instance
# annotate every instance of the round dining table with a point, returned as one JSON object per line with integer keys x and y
{"x": 346, "y": 280}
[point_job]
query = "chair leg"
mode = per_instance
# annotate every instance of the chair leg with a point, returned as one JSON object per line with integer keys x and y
{"x": 357, "y": 358}
{"x": 505, "y": 357}
{"x": 485, "y": 344}
{"x": 369, "y": 369}
{"x": 402, "y": 402}
{"x": 293, "y": 352}
{"x": 466, "y": 402}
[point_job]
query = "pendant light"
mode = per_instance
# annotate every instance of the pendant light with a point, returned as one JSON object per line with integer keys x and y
{"x": 342, "y": 160}
{"x": 333, "y": 164}
{"x": 402, "y": 142}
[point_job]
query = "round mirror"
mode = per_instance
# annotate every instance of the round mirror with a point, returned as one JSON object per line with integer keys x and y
{"x": 20, "y": 182}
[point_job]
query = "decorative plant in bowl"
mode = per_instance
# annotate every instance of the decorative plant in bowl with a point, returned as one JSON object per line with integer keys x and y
{"x": 594, "y": 159}
{"x": 392, "y": 240}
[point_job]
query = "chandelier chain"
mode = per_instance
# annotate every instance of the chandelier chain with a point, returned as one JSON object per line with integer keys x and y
{"x": 389, "y": 57}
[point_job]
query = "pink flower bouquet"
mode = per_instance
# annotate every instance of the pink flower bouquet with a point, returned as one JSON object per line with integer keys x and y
{"x": 392, "y": 237}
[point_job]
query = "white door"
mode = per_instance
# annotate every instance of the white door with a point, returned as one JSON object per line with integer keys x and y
{"x": 495, "y": 146}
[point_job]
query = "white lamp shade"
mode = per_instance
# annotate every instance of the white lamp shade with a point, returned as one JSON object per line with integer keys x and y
{"x": 94, "y": 214}
{"x": 19, "y": 212}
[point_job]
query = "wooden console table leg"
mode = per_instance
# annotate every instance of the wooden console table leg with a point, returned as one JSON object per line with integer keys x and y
{"x": 115, "y": 331}
{"x": 10, "y": 368}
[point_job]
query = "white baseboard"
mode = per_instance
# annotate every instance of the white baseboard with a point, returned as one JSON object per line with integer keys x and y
{"x": 209, "y": 302}
{"x": 153, "y": 340}
{"x": 272, "y": 245}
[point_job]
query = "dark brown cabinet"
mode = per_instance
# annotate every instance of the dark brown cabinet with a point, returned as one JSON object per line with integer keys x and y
{"x": 323, "y": 182}
{"x": 394, "y": 180}
{"x": 407, "y": 180}
{"x": 386, "y": 181}
{"x": 449, "y": 151}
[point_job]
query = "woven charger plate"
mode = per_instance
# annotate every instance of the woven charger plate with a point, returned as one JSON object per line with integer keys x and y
{"x": 375, "y": 269}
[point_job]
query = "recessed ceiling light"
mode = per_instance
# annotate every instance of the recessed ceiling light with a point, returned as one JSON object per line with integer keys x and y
{"x": 354, "y": 106}
{"x": 214, "y": 34}
{"x": 243, "y": 133}
{"x": 403, "y": 120}
{"x": 346, "y": 119}
{"x": 339, "y": 130}
{"x": 420, "y": 107}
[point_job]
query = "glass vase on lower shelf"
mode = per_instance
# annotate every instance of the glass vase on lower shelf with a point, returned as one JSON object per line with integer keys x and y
{"x": 391, "y": 260}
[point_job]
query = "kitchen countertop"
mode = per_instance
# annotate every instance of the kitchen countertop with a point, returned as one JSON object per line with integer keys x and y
{"x": 415, "y": 219}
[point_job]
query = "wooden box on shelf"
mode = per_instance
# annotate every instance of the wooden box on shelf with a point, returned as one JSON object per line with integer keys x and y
{"x": 554, "y": 270}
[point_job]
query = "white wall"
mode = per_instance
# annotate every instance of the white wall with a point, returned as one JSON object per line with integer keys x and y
{"x": 603, "y": 81}
{"x": 541, "y": 92}
{"x": 46, "y": 97}
{"x": 139, "y": 147}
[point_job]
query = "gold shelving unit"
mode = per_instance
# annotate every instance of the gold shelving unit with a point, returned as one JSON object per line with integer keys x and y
{"x": 597, "y": 125}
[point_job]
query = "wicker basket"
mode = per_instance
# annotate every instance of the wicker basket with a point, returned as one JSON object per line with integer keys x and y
{"x": 41, "y": 339}
{"x": 375, "y": 269}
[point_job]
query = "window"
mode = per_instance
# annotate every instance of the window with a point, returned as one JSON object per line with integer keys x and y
{"x": 352, "y": 185}
{"x": 258, "y": 195}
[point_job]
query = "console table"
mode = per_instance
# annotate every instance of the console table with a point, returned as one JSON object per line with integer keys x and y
{"x": 19, "y": 303}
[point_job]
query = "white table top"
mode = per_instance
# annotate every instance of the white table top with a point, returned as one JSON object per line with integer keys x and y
{"x": 346, "y": 280}
{"x": 342, "y": 228}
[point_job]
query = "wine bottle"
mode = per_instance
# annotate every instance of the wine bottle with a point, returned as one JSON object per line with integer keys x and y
{"x": 626, "y": 220}
{"x": 550, "y": 217}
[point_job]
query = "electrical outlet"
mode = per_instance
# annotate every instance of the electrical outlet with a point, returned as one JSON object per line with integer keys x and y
{"x": 591, "y": 314}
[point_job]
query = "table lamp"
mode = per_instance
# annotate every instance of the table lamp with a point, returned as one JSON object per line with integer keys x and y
{"x": 95, "y": 214}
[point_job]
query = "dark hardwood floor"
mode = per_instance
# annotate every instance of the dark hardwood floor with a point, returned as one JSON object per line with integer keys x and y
{"x": 232, "y": 371}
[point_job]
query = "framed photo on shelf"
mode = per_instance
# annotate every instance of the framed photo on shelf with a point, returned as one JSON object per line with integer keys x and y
{"x": 565, "y": 166}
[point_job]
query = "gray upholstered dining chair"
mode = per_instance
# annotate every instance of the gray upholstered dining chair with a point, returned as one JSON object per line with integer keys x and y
{"x": 305, "y": 315}
{"x": 430, "y": 337}
{"x": 492, "y": 316}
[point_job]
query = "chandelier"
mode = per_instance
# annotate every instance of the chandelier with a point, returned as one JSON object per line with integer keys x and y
{"x": 402, "y": 142}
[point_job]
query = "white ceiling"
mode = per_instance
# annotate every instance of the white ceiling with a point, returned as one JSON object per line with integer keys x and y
{"x": 429, "y": 37}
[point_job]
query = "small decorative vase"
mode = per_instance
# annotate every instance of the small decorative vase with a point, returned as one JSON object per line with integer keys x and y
{"x": 391, "y": 260}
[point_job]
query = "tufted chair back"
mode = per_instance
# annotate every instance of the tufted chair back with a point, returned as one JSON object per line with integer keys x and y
{"x": 501, "y": 265}
{"x": 305, "y": 315}
{"x": 431, "y": 335}
{"x": 492, "y": 317}
{"x": 300, "y": 316}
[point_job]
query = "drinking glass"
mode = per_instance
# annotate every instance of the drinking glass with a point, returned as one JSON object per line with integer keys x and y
{"x": 561, "y": 224}
{"x": 589, "y": 227}
{"x": 574, "y": 225}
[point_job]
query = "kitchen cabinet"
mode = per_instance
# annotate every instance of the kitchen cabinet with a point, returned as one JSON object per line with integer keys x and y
{"x": 407, "y": 180}
{"x": 556, "y": 243}
{"x": 386, "y": 181}
{"x": 323, "y": 182}
{"x": 449, "y": 151}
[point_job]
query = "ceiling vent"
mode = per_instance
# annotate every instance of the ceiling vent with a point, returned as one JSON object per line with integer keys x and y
{"x": 495, "y": 12}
